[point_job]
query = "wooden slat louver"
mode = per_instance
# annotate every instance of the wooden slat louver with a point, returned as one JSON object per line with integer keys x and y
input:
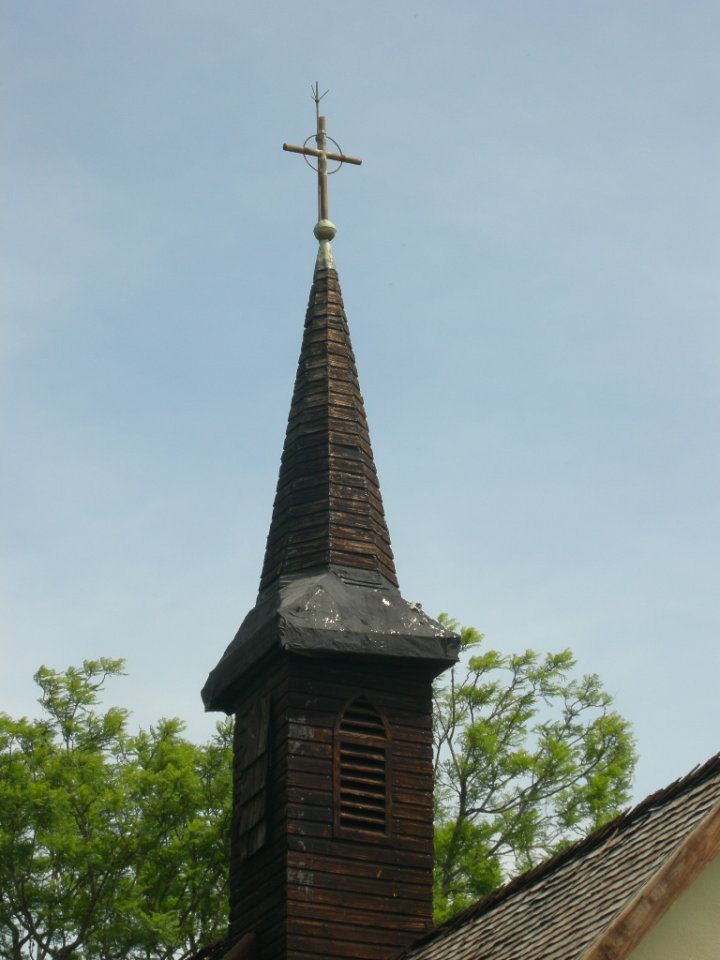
{"x": 252, "y": 764}
{"x": 362, "y": 767}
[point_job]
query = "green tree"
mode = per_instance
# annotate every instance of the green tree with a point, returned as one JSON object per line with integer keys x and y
{"x": 111, "y": 845}
{"x": 527, "y": 759}
{"x": 116, "y": 846}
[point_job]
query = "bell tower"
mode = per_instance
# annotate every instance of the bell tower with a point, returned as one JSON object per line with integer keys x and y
{"x": 330, "y": 679}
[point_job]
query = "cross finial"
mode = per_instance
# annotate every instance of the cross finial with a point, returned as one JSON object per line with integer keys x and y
{"x": 324, "y": 229}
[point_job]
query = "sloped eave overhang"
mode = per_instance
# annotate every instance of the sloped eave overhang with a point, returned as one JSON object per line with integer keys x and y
{"x": 329, "y": 614}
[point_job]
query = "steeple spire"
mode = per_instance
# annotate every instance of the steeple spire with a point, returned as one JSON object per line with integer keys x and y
{"x": 328, "y": 511}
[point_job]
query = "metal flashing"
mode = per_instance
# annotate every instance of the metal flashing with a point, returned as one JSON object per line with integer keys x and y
{"x": 323, "y": 614}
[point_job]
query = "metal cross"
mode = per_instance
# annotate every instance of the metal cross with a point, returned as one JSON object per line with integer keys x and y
{"x": 323, "y": 155}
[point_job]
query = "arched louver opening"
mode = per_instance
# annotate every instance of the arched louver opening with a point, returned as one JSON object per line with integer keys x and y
{"x": 362, "y": 772}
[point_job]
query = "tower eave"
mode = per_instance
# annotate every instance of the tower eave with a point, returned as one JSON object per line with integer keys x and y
{"x": 325, "y": 614}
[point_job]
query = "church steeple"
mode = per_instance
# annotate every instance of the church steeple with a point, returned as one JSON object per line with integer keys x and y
{"x": 330, "y": 678}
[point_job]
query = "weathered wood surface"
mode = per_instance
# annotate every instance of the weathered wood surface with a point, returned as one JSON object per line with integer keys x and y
{"x": 354, "y": 894}
{"x": 328, "y": 509}
{"x": 313, "y": 891}
{"x": 257, "y": 891}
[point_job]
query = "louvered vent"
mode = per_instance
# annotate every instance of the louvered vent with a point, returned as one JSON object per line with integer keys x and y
{"x": 362, "y": 761}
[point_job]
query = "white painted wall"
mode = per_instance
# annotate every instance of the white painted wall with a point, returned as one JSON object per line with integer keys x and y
{"x": 690, "y": 930}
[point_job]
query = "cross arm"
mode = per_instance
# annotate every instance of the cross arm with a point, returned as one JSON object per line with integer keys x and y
{"x": 311, "y": 152}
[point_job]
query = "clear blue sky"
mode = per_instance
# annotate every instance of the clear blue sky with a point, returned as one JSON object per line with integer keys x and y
{"x": 529, "y": 258}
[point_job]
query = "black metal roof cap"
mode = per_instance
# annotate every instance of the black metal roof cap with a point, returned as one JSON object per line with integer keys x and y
{"x": 330, "y": 612}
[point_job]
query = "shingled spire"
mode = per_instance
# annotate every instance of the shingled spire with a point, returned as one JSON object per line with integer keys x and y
{"x": 328, "y": 512}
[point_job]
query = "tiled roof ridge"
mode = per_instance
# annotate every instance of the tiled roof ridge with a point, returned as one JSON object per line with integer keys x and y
{"x": 212, "y": 951}
{"x": 328, "y": 510}
{"x": 240, "y": 947}
{"x": 698, "y": 774}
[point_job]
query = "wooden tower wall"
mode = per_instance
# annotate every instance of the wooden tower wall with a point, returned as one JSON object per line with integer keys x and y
{"x": 257, "y": 876}
{"x": 312, "y": 894}
{"x": 354, "y": 897}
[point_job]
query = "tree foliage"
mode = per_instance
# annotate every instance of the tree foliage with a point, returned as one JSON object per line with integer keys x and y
{"x": 115, "y": 845}
{"x": 527, "y": 759}
{"x": 111, "y": 845}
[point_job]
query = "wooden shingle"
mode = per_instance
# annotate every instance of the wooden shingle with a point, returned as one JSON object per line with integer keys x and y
{"x": 597, "y": 899}
{"x": 328, "y": 510}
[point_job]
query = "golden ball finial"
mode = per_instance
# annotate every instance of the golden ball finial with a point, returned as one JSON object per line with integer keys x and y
{"x": 324, "y": 230}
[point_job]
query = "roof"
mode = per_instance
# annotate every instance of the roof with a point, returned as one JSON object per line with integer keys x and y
{"x": 595, "y": 900}
{"x": 244, "y": 948}
{"x": 329, "y": 613}
{"x": 328, "y": 583}
{"x": 328, "y": 509}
